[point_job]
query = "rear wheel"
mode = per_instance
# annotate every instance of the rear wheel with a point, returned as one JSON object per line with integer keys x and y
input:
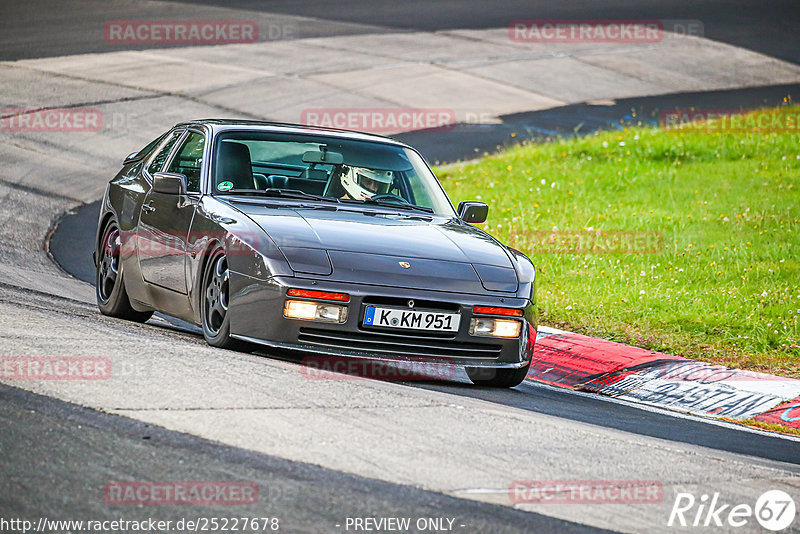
{"x": 214, "y": 307}
{"x": 497, "y": 378}
{"x": 112, "y": 299}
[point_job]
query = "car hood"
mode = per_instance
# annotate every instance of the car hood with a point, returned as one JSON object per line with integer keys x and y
{"x": 346, "y": 244}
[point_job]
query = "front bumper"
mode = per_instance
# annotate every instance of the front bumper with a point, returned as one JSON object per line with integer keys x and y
{"x": 256, "y": 314}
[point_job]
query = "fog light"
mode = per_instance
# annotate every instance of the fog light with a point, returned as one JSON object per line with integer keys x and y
{"x": 314, "y": 311}
{"x": 482, "y": 326}
{"x": 505, "y": 328}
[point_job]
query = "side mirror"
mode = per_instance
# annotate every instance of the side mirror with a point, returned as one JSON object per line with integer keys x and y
{"x": 169, "y": 183}
{"x": 473, "y": 212}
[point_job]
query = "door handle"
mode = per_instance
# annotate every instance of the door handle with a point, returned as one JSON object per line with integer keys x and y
{"x": 148, "y": 208}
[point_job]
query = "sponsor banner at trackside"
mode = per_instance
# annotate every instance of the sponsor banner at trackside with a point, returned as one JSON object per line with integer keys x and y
{"x": 55, "y": 368}
{"x": 140, "y": 493}
{"x": 705, "y": 374}
{"x": 586, "y": 492}
{"x": 697, "y": 387}
{"x": 180, "y": 31}
{"x": 588, "y": 364}
{"x": 718, "y": 400}
{"x": 51, "y": 120}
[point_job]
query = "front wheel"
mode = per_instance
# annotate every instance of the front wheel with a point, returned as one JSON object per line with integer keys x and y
{"x": 112, "y": 299}
{"x": 497, "y": 378}
{"x": 214, "y": 307}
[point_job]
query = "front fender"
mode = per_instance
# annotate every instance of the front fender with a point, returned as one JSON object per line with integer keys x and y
{"x": 526, "y": 272}
{"x": 249, "y": 250}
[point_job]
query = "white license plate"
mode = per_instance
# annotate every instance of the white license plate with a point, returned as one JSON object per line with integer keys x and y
{"x": 411, "y": 319}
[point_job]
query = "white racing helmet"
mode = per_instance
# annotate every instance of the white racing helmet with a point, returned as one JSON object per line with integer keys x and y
{"x": 363, "y": 183}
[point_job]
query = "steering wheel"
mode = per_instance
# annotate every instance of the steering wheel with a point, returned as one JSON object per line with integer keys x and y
{"x": 390, "y": 196}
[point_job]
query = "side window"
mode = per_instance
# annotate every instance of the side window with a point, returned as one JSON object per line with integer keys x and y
{"x": 189, "y": 159}
{"x": 150, "y": 146}
{"x": 157, "y": 163}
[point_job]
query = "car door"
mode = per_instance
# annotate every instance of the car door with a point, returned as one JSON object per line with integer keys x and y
{"x": 166, "y": 218}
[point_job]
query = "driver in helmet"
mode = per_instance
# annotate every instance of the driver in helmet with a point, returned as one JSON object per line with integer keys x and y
{"x": 360, "y": 183}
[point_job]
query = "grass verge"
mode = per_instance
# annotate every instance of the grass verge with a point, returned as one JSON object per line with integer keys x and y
{"x": 684, "y": 242}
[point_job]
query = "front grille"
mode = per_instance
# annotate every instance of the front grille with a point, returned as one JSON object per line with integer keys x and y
{"x": 398, "y": 345}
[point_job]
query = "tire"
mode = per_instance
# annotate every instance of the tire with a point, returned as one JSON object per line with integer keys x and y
{"x": 112, "y": 299}
{"x": 214, "y": 305}
{"x": 497, "y": 378}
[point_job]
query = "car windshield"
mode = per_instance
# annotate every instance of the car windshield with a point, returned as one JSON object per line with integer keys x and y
{"x": 349, "y": 171}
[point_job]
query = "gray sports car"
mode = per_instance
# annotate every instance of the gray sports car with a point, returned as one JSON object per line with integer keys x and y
{"x": 314, "y": 240}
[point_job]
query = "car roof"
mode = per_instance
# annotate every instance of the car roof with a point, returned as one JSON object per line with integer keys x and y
{"x": 224, "y": 125}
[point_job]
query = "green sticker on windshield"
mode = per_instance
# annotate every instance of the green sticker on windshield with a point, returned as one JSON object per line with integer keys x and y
{"x": 224, "y": 186}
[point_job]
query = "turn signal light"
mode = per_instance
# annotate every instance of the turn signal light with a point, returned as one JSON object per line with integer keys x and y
{"x": 321, "y": 295}
{"x": 491, "y": 310}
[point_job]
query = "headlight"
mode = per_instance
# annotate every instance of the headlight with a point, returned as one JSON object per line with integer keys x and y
{"x": 314, "y": 311}
{"x": 484, "y": 326}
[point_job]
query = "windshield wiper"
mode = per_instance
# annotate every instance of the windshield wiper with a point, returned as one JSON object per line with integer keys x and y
{"x": 390, "y": 204}
{"x": 282, "y": 193}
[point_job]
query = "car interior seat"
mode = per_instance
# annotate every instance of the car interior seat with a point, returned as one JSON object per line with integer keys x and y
{"x": 235, "y": 165}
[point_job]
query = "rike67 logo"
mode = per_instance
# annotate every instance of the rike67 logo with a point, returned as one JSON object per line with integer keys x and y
{"x": 774, "y": 510}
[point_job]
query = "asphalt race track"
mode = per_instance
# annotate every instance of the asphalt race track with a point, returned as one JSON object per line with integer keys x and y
{"x": 322, "y": 451}
{"x": 770, "y": 28}
{"x": 305, "y": 498}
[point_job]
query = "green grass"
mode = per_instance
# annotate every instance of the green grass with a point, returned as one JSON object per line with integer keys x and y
{"x": 722, "y": 284}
